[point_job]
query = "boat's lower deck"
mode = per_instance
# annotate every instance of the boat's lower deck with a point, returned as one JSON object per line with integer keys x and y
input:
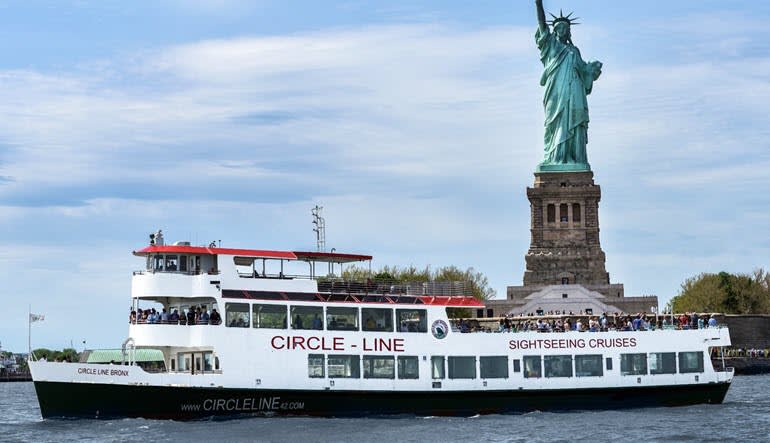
{"x": 94, "y": 400}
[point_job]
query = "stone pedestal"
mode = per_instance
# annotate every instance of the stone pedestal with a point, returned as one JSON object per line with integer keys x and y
{"x": 564, "y": 247}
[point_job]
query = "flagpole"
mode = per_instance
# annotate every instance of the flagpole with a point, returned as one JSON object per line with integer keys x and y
{"x": 29, "y": 330}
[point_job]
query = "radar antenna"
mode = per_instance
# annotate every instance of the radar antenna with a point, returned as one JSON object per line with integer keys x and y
{"x": 319, "y": 229}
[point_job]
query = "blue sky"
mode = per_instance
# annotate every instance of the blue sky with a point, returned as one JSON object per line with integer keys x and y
{"x": 417, "y": 125}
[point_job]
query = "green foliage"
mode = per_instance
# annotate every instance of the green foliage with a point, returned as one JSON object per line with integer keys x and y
{"x": 475, "y": 281}
{"x": 66, "y": 354}
{"x": 725, "y": 292}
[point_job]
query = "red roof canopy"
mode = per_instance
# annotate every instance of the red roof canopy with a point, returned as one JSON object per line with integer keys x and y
{"x": 203, "y": 250}
{"x": 456, "y": 301}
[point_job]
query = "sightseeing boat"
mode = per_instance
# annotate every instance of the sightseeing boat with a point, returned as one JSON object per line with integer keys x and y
{"x": 254, "y": 332}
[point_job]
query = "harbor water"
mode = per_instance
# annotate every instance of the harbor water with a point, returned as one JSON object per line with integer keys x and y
{"x": 745, "y": 415}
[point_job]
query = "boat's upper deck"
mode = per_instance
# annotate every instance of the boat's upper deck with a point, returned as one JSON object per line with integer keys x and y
{"x": 181, "y": 270}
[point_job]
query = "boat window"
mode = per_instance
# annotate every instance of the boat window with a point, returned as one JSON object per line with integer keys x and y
{"x": 207, "y": 366}
{"x": 377, "y": 319}
{"x": 437, "y": 367}
{"x": 183, "y": 263}
{"x": 342, "y": 319}
{"x": 315, "y": 365}
{"x": 516, "y": 365}
{"x": 690, "y": 362}
{"x": 663, "y": 363}
{"x": 269, "y": 316}
{"x": 494, "y": 367}
{"x": 588, "y": 365}
{"x": 609, "y": 363}
{"x": 408, "y": 366}
{"x": 462, "y": 367}
{"x": 216, "y": 363}
{"x": 558, "y": 365}
{"x": 237, "y": 315}
{"x": 412, "y": 320}
{"x": 344, "y": 366}
{"x": 157, "y": 262}
{"x": 532, "y": 366}
{"x": 633, "y": 364}
{"x": 307, "y": 317}
{"x": 379, "y": 366}
{"x": 172, "y": 263}
{"x": 183, "y": 362}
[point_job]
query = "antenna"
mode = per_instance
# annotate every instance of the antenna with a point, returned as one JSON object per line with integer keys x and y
{"x": 319, "y": 229}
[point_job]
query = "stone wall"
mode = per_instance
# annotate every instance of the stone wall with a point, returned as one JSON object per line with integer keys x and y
{"x": 749, "y": 331}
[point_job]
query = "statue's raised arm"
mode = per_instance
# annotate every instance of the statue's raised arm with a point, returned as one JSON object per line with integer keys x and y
{"x": 541, "y": 23}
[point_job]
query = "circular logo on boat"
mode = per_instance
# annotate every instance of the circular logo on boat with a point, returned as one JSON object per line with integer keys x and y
{"x": 439, "y": 329}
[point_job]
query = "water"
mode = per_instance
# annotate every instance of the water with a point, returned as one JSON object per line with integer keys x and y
{"x": 744, "y": 415}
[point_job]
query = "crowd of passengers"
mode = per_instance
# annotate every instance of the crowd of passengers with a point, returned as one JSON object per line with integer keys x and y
{"x": 618, "y": 322}
{"x": 752, "y": 352}
{"x": 196, "y": 315}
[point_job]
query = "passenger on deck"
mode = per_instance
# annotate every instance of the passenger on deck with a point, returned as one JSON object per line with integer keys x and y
{"x": 191, "y": 316}
{"x": 298, "y": 322}
{"x": 132, "y": 317}
{"x": 713, "y": 321}
{"x": 317, "y": 323}
{"x": 215, "y": 318}
{"x": 174, "y": 317}
{"x": 203, "y": 318}
{"x": 164, "y": 316}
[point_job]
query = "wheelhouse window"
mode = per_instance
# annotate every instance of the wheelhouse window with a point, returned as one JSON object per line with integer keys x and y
{"x": 307, "y": 317}
{"x": 343, "y": 366}
{"x": 532, "y": 366}
{"x": 633, "y": 364}
{"x": 412, "y": 320}
{"x": 662, "y": 363}
{"x": 269, "y": 316}
{"x": 588, "y": 365}
{"x": 237, "y": 315}
{"x": 557, "y": 365}
{"x": 690, "y": 362}
{"x": 408, "y": 367}
{"x": 172, "y": 263}
{"x": 315, "y": 365}
{"x": 377, "y": 319}
{"x": 376, "y": 366}
{"x": 494, "y": 367}
{"x": 462, "y": 367}
{"x": 437, "y": 369}
{"x": 341, "y": 319}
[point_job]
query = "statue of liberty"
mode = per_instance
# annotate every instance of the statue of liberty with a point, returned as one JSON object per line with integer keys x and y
{"x": 567, "y": 80}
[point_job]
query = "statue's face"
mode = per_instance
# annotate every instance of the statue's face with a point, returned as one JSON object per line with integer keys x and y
{"x": 562, "y": 32}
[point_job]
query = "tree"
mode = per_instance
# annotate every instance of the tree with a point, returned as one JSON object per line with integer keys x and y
{"x": 475, "y": 282}
{"x": 725, "y": 292}
{"x": 67, "y": 354}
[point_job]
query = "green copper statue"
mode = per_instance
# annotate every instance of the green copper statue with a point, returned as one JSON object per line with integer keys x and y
{"x": 567, "y": 80}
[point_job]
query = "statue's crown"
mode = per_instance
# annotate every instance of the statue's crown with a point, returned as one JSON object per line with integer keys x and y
{"x": 568, "y": 19}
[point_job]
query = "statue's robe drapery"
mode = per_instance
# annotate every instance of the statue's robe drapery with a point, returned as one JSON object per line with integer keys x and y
{"x": 567, "y": 80}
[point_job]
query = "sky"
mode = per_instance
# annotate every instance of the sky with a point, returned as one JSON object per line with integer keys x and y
{"x": 417, "y": 125}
